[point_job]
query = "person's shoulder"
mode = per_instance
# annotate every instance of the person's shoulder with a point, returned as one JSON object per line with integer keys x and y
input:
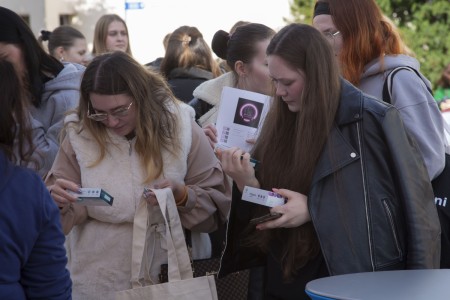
{"x": 22, "y": 178}
{"x": 405, "y": 67}
{"x": 391, "y": 62}
{"x": 211, "y": 90}
{"x": 355, "y": 103}
{"x": 186, "y": 109}
{"x": 409, "y": 86}
{"x": 155, "y": 63}
{"x": 71, "y": 69}
{"x": 227, "y": 79}
{"x": 67, "y": 81}
{"x": 69, "y": 76}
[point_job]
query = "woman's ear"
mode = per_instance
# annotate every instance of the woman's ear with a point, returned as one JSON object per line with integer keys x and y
{"x": 240, "y": 68}
{"x": 59, "y": 52}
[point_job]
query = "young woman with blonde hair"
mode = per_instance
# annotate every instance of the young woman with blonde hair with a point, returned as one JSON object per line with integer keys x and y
{"x": 130, "y": 133}
{"x": 111, "y": 34}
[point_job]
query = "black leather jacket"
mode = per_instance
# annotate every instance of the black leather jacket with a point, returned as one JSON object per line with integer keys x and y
{"x": 371, "y": 201}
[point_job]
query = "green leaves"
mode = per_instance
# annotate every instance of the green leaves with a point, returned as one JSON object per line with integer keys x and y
{"x": 424, "y": 25}
{"x": 427, "y": 35}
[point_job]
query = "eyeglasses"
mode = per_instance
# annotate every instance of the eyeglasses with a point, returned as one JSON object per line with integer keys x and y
{"x": 117, "y": 113}
{"x": 330, "y": 36}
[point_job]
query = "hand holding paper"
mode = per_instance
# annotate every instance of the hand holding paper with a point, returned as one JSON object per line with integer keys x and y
{"x": 241, "y": 115}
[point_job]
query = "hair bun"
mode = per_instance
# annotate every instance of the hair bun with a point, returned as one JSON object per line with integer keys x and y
{"x": 45, "y": 35}
{"x": 219, "y": 43}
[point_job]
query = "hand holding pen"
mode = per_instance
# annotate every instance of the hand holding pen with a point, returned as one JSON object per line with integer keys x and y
{"x": 236, "y": 164}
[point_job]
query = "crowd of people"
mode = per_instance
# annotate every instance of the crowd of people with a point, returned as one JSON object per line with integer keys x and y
{"x": 355, "y": 171}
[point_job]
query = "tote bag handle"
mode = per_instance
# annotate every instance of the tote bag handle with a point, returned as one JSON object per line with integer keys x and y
{"x": 179, "y": 264}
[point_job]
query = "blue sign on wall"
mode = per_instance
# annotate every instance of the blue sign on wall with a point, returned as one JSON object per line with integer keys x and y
{"x": 134, "y": 5}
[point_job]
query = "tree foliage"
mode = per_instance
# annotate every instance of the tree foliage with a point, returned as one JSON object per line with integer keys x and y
{"x": 424, "y": 25}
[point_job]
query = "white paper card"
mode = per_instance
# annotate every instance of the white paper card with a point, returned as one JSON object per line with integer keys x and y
{"x": 262, "y": 197}
{"x": 241, "y": 115}
{"x": 93, "y": 197}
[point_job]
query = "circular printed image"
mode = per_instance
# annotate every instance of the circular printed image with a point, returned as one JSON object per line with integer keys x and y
{"x": 248, "y": 112}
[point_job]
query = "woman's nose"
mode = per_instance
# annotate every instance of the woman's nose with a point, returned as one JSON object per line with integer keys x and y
{"x": 280, "y": 91}
{"x": 111, "y": 121}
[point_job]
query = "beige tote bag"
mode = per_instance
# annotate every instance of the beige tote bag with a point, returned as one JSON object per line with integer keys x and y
{"x": 182, "y": 285}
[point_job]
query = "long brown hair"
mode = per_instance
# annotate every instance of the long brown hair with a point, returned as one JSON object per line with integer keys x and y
{"x": 156, "y": 122}
{"x": 186, "y": 49}
{"x": 15, "y": 133}
{"x": 291, "y": 142}
{"x": 367, "y": 35}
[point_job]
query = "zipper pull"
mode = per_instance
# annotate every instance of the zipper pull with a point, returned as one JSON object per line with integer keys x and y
{"x": 129, "y": 148}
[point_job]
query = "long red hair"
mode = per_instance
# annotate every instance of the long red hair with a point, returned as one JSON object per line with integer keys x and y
{"x": 367, "y": 34}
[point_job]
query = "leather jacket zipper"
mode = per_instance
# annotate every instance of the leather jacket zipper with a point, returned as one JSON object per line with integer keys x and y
{"x": 391, "y": 222}
{"x": 365, "y": 197}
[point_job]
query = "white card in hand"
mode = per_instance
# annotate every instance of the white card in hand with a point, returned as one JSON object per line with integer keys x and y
{"x": 262, "y": 197}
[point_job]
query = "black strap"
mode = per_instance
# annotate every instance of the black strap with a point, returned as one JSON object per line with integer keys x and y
{"x": 387, "y": 86}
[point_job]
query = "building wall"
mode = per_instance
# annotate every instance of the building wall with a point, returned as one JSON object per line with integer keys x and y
{"x": 45, "y": 14}
{"x": 35, "y": 9}
{"x": 148, "y": 26}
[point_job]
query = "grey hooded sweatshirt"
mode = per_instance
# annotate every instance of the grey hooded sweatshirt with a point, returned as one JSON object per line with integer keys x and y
{"x": 416, "y": 105}
{"x": 60, "y": 95}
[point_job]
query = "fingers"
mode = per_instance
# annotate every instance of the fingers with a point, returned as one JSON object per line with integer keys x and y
{"x": 64, "y": 192}
{"x": 251, "y": 141}
{"x": 245, "y": 158}
{"x": 152, "y": 201}
{"x": 212, "y": 143}
{"x": 231, "y": 157}
{"x": 178, "y": 189}
{"x": 294, "y": 213}
{"x": 162, "y": 183}
{"x": 211, "y": 128}
{"x": 234, "y": 157}
{"x": 147, "y": 193}
{"x": 149, "y": 196}
{"x": 285, "y": 193}
{"x": 211, "y": 133}
{"x": 277, "y": 223}
{"x": 236, "y": 164}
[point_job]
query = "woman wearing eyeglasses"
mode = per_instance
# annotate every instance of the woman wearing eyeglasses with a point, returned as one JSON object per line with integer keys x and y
{"x": 130, "y": 133}
{"x": 368, "y": 48}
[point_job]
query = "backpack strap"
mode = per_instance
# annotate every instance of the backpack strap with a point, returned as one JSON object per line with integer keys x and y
{"x": 387, "y": 86}
{"x": 387, "y": 90}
